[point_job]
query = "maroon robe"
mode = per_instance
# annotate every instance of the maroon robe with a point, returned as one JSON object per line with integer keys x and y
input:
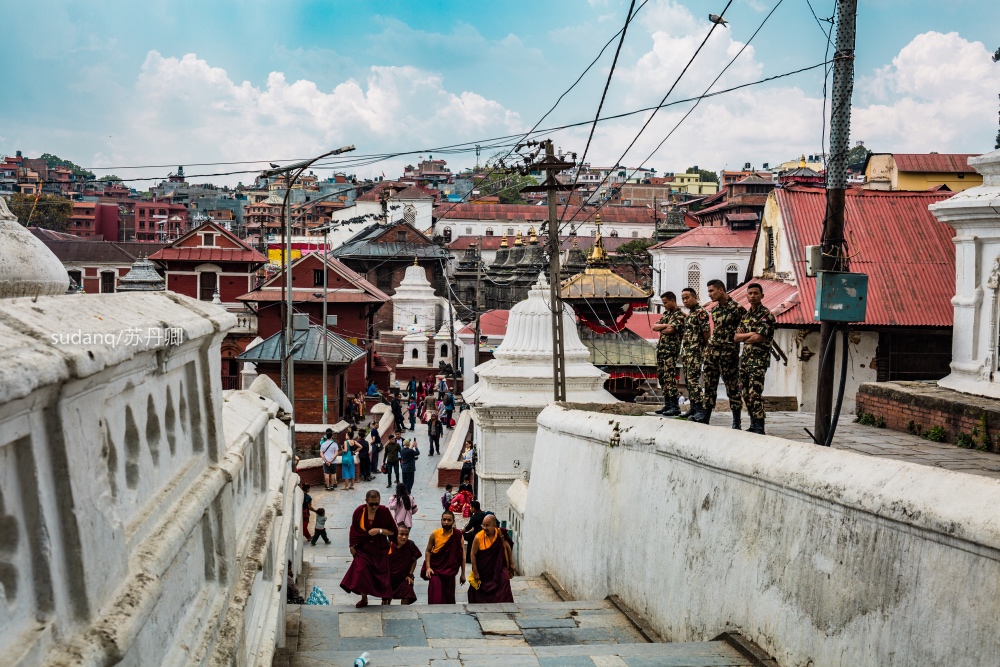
{"x": 400, "y": 560}
{"x": 494, "y": 577}
{"x": 446, "y": 563}
{"x": 369, "y": 571}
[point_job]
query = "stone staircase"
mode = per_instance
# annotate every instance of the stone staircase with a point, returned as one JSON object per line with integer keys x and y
{"x": 527, "y": 632}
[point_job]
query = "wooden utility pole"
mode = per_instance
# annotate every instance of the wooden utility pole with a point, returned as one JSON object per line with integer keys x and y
{"x": 832, "y": 241}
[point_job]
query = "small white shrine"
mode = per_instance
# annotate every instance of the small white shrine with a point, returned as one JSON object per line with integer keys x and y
{"x": 975, "y": 215}
{"x": 517, "y": 384}
{"x": 414, "y": 305}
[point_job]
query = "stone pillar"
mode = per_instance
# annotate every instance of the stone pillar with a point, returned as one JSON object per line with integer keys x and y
{"x": 975, "y": 215}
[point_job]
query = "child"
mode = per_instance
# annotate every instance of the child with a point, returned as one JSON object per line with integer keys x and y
{"x": 447, "y": 497}
{"x": 320, "y": 528}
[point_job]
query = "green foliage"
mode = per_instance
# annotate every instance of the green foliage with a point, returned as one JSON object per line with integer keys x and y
{"x": 913, "y": 428}
{"x": 52, "y": 212}
{"x": 109, "y": 178}
{"x": 636, "y": 249}
{"x": 880, "y": 422}
{"x": 865, "y": 419}
{"x": 857, "y": 154}
{"x": 981, "y": 434}
{"x": 996, "y": 56}
{"x": 704, "y": 175}
{"x": 56, "y": 161}
{"x": 935, "y": 434}
{"x": 965, "y": 441}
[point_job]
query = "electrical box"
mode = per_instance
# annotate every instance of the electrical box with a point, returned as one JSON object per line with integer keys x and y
{"x": 331, "y": 320}
{"x": 300, "y": 322}
{"x": 814, "y": 260}
{"x": 841, "y": 297}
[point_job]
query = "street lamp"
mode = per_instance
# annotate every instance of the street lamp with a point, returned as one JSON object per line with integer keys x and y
{"x": 293, "y": 171}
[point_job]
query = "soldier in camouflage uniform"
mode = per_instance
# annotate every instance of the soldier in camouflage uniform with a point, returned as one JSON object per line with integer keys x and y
{"x": 670, "y": 327}
{"x": 722, "y": 358}
{"x": 756, "y": 331}
{"x": 696, "y": 332}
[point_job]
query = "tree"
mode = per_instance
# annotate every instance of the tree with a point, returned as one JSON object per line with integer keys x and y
{"x": 636, "y": 249}
{"x": 503, "y": 184}
{"x": 110, "y": 178}
{"x": 56, "y": 161}
{"x": 858, "y": 154}
{"x": 704, "y": 175}
{"x": 51, "y": 212}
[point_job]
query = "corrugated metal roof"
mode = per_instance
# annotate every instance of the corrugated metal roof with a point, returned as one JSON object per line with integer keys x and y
{"x": 779, "y": 297}
{"x": 78, "y": 250}
{"x": 530, "y": 213}
{"x": 597, "y": 283}
{"x": 310, "y": 348}
{"x": 934, "y": 162}
{"x": 309, "y": 296}
{"x": 624, "y": 349}
{"x": 611, "y": 243}
{"x": 344, "y": 271}
{"x": 907, "y": 253}
{"x": 491, "y": 323}
{"x": 208, "y": 255}
{"x": 711, "y": 237}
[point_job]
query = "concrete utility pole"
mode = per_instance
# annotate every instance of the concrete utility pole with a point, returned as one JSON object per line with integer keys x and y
{"x": 479, "y": 305}
{"x": 832, "y": 241}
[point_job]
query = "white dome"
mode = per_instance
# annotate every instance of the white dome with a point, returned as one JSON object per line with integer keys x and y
{"x": 27, "y": 266}
{"x": 529, "y": 329}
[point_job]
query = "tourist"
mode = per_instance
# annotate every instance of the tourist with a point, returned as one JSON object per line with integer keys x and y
{"x": 475, "y": 524}
{"x": 372, "y": 389}
{"x": 319, "y": 530}
{"x": 372, "y": 528}
{"x": 442, "y": 560}
{"x": 461, "y": 504}
{"x": 403, "y": 557}
{"x": 492, "y": 565}
{"x": 429, "y": 384}
{"x": 411, "y": 388}
{"x": 408, "y": 456}
{"x": 756, "y": 332}
{"x": 351, "y": 415}
{"x": 411, "y": 410}
{"x": 397, "y": 411}
{"x": 430, "y": 404}
{"x": 442, "y": 388}
{"x": 449, "y": 408}
{"x": 468, "y": 463}
{"x": 360, "y": 400}
{"x": 347, "y": 461}
{"x": 447, "y": 496}
{"x": 376, "y": 440}
{"x": 364, "y": 457}
{"x": 434, "y": 431}
{"x": 328, "y": 452}
{"x": 402, "y": 505}
{"x": 392, "y": 449}
{"x": 307, "y": 507}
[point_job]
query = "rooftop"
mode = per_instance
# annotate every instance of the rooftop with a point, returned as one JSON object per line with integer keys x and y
{"x": 711, "y": 237}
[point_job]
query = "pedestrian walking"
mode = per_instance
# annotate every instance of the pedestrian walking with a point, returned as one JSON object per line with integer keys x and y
{"x": 442, "y": 561}
{"x": 434, "y": 431}
{"x": 449, "y": 408}
{"x": 364, "y": 457}
{"x": 411, "y": 409}
{"x": 392, "y": 449}
{"x": 411, "y": 388}
{"x": 402, "y": 505}
{"x": 722, "y": 358}
{"x": 492, "y": 565}
{"x": 376, "y": 439}
{"x": 697, "y": 330}
{"x": 756, "y": 332}
{"x": 396, "y": 406}
{"x": 347, "y": 461}
{"x": 372, "y": 531}
{"x": 328, "y": 452}
{"x": 668, "y": 348}
{"x": 307, "y": 507}
{"x": 319, "y": 530}
{"x": 403, "y": 557}
{"x": 408, "y": 456}
{"x": 442, "y": 388}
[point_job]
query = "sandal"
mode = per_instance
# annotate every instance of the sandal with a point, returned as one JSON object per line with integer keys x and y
{"x": 361, "y": 603}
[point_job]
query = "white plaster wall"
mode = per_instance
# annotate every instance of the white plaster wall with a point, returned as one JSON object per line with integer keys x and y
{"x": 145, "y": 517}
{"x": 505, "y": 438}
{"x": 822, "y": 557}
{"x": 672, "y": 265}
{"x": 798, "y": 377}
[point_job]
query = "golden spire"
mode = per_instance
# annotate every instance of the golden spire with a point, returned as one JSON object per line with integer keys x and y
{"x": 415, "y": 260}
{"x": 503, "y": 241}
{"x": 802, "y": 160}
{"x": 532, "y": 238}
{"x": 598, "y": 256}
{"x": 517, "y": 239}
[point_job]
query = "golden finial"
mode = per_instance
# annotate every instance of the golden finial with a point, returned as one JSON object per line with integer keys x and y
{"x": 415, "y": 260}
{"x": 517, "y": 239}
{"x": 532, "y": 238}
{"x": 503, "y": 241}
{"x": 802, "y": 160}
{"x": 598, "y": 256}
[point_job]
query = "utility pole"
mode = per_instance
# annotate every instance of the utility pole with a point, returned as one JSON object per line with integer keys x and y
{"x": 479, "y": 304}
{"x": 326, "y": 333}
{"x": 832, "y": 241}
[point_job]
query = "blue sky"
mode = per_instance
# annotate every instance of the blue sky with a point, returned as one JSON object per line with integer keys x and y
{"x": 126, "y": 83}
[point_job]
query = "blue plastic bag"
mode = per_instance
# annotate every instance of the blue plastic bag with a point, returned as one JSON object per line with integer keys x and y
{"x": 316, "y": 596}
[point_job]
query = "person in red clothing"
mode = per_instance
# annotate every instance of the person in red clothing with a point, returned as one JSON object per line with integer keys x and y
{"x": 443, "y": 559}
{"x": 372, "y": 530}
{"x": 492, "y": 565}
{"x": 403, "y": 557}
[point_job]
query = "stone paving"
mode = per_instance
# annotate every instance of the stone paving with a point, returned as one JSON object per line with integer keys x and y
{"x": 880, "y": 442}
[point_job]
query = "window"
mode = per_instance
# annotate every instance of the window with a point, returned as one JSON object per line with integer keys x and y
{"x": 107, "y": 282}
{"x": 447, "y": 234}
{"x": 410, "y": 215}
{"x": 76, "y": 277}
{"x": 401, "y": 236}
{"x": 414, "y": 354}
{"x": 614, "y": 233}
{"x": 510, "y": 231}
{"x": 317, "y": 277}
{"x": 383, "y": 279}
{"x": 208, "y": 240}
{"x": 489, "y": 231}
{"x": 444, "y": 349}
{"x": 208, "y": 283}
{"x": 468, "y": 231}
{"x": 635, "y": 235}
{"x": 593, "y": 232}
{"x": 770, "y": 249}
{"x": 732, "y": 277}
{"x": 694, "y": 277}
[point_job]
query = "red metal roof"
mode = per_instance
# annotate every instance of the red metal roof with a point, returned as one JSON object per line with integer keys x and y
{"x": 779, "y": 297}
{"x": 934, "y": 162}
{"x": 611, "y": 243}
{"x": 530, "y": 213}
{"x": 711, "y": 237}
{"x": 907, "y": 253}
{"x": 641, "y": 324}
{"x": 208, "y": 255}
{"x": 491, "y": 323}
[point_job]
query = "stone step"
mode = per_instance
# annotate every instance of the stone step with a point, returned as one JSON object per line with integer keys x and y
{"x": 498, "y": 653}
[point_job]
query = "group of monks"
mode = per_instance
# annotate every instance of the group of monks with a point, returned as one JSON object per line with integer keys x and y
{"x": 385, "y": 559}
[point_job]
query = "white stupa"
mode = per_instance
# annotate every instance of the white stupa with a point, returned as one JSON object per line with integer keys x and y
{"x": 414, "y": 305}
{"x": 517, "y": 384}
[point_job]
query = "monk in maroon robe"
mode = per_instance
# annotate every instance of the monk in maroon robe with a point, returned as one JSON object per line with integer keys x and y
{"x": 492, "y": 565}
{"x": 444, "y": 558}
{"x": 403, "y": 557}
{"x": 372, "y": 529}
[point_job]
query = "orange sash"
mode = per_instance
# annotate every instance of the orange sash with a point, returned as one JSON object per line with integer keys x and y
{"x": 364, "y": 515}
{"x": 484, "y": 540}
{"x": 440, "y": 539}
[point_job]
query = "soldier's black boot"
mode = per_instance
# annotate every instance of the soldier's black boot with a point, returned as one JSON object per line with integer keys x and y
{"x": 703, "y": 416}
{"x": 666, "y": 406}
{"x": 673, "y": 408}
{"x": 737, "y": 423}
{"x": 756, "y": 426}
{"x": 692, "y": 410}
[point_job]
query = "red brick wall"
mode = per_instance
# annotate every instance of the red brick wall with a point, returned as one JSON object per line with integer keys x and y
{"x": 309, "y": 392}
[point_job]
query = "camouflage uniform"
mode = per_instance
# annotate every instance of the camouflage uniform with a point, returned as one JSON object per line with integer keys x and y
{"x": 756, "y": 358}
{"x": 667, "y": 350}
{"x": 696, "y": 325}
{"x": 722, "y": 358}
